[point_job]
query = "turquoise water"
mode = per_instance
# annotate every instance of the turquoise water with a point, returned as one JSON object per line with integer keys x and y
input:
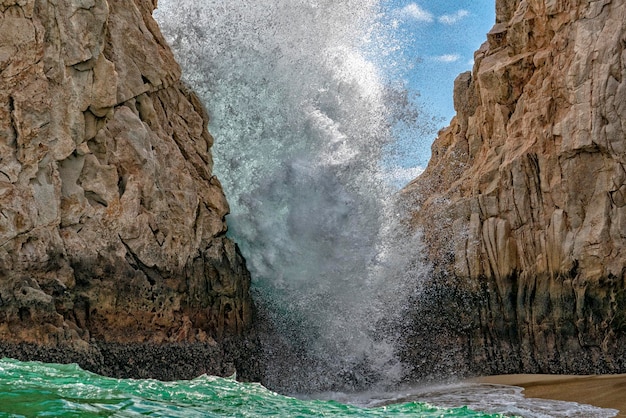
{"x": 32, "y": 389}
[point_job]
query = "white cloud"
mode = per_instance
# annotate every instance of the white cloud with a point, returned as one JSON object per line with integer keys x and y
{"x": 453, "y": 18}
{"x": 447, "y": 58}
{"x": 415, "y": 12}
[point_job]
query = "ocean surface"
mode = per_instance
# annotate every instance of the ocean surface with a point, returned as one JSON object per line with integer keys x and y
{"x": 33, "y": 389}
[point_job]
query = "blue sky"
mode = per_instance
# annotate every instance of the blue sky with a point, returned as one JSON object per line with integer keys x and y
{"x": 440, "y": 39}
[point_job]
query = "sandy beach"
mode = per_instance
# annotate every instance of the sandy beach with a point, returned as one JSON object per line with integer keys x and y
{"x": 606, "y": 391}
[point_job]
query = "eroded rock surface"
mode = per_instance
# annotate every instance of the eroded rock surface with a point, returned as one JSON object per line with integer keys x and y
{"x": 112, "y": 225}
{"x": 523, "y": 205}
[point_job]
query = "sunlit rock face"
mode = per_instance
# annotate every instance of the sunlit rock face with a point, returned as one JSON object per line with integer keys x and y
{"x": 523, "y": 205}
{"x": 112, "y": 225}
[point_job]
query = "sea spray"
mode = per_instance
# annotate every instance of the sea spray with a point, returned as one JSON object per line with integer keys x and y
{"x": 303, "y": 112}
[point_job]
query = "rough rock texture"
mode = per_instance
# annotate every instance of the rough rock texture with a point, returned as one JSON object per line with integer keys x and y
{"x": 523, "y": 204}
{"x": 112, "y": 230}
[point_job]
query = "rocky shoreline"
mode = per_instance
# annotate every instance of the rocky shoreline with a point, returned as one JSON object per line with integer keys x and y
{"x": 165, "y": 362}
{"x": 113, "y": 246}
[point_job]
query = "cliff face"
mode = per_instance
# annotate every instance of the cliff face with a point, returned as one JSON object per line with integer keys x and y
{"x": 111, "y": 223}
{"x": 523, "y": 205}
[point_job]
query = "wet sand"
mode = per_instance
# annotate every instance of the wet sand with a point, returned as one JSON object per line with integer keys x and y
{"x": 605, "y": 391}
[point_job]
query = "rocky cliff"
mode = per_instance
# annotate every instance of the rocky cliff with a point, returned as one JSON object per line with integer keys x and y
{"x": 523, "y": 205}
{"x": 112, "y": 233}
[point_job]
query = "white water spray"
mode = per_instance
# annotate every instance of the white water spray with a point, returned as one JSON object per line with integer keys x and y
{"x": 302, "y": 113}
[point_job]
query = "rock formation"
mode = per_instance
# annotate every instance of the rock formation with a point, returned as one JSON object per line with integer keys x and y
{"x": 112, "y": 230}
{"x": 523, "y": 205}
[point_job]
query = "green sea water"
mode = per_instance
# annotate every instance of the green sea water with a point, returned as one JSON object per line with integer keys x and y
{"x": 32, "y": 389}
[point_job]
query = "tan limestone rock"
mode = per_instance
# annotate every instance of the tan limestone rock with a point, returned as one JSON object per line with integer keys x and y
{"x": 524, "y": 195}
{"x": 112, "y": 225}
